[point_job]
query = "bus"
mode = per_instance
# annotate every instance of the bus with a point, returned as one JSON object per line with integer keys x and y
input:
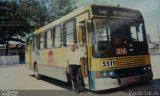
{"x": 113, "y": 38}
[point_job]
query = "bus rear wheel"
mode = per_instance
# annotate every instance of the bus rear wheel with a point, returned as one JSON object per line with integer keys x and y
{"x": 36, "y": 72}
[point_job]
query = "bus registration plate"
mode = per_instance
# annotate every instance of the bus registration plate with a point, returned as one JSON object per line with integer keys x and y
{"x": 131, "y": 80}
{"x": 109, "y": 63}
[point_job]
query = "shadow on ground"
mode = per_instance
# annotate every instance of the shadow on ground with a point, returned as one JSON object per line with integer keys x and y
{"x": 152, "y": 85}
{"x": 56, "y": 82}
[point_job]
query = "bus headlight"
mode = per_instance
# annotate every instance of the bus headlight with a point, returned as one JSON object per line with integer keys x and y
{"x": 111, "y": 73}
{"x": 104, "y": 74}
{"x": 144, "y": 68}
{"x": 149, "y": 68}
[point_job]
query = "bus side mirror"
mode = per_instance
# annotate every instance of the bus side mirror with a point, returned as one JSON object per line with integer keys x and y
{"x": 89, "y": 26}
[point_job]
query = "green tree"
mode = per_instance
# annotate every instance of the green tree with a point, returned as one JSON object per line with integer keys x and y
{"x": 59, "y": 8}
{"x": 12, "y": 24}
{"x": 34, "y": 11}
{"x": 18, "y": 19}
{"x": 11, "y": 21}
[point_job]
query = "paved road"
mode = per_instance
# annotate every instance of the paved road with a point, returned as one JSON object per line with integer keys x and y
{"x": 18, "y": 77}
{"x": 155, "y": 60}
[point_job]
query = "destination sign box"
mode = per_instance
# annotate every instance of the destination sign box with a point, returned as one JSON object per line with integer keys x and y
{"x": 115, "y": 11}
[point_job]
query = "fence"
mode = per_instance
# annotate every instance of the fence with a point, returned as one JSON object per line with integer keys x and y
{"x": 9, "y": 59}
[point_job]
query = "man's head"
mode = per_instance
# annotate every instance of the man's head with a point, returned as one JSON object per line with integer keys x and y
{"x": 73, "y": 46}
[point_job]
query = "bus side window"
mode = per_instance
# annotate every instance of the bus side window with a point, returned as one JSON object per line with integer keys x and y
{"x": 69, "y": 33}
{"x": 34, "y": 43}
{"x": 45, "y": 39}
{"x": 38, "y": 41}
{"x": 58, "y": 33}
{"x": 53, "y": 37}
{"x": 42, "y": 40}
{"x": 49, "y": 38}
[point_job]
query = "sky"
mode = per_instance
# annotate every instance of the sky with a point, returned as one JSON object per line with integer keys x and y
{"x": 150, "y": 10}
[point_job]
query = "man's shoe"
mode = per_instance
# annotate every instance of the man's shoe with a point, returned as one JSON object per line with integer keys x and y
{"x": 84, "y": 91}
{"x": 78, "y": 91}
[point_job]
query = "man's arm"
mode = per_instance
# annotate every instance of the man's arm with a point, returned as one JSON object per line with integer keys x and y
{"x": 68, "y": 68}
{"x": 82, "y": 55}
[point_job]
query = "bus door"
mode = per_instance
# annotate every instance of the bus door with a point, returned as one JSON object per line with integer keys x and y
{"x": 82, "y": 43}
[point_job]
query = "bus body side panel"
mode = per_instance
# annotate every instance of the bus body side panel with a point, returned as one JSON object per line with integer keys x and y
{"x": 55, "y": 72}
{"x": 52, "y": 63}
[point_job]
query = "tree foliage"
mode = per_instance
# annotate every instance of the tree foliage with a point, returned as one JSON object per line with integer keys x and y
{"x": 18, "y": 19}
{"x": 34, "y": 11}
{"x": 59, "y": 8}
{"x": 11, "y": 22}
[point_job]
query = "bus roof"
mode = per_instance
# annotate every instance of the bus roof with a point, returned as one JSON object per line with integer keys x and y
{"x": 74, "y": 14}
{"x": 64, "y": 18}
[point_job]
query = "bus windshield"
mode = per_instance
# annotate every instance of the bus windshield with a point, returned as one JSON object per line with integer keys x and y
{"x": 117, "y": 37}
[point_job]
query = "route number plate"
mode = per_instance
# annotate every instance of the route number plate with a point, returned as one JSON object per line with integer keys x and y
{"x": 109, "y": 63}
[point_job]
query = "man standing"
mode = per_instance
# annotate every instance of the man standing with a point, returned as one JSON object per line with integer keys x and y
{"x": 73, "y": 60}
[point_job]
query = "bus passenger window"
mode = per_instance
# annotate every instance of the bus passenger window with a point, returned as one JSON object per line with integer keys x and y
{"x": 49, "y": 39}
{"x": 34, "y": 43}
{"x": 69, "y": 33}
{"x": 38, "y": 41}
{"x": 42, "y": 41}
{"x": 45, "y": 39}
{"x": 53, "y": 37}
{"x": 58, "y": 31}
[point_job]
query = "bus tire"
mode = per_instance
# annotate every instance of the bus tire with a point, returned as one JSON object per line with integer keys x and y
{"x": 36, "y": 72}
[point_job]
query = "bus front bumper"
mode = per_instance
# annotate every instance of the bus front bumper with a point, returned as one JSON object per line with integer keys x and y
{"x": 109, "y": 83}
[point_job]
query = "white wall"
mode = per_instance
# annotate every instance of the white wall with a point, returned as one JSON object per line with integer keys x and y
{"x": 10, "y": 52}
{"x": 9, "y": 59}
{"x": 155, "y": 51}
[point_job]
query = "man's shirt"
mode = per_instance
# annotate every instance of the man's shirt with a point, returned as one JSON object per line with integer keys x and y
{"x": 74, "y": 57}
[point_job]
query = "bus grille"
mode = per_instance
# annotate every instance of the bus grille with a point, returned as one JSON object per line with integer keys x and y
{"x": 130, "y": 61}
